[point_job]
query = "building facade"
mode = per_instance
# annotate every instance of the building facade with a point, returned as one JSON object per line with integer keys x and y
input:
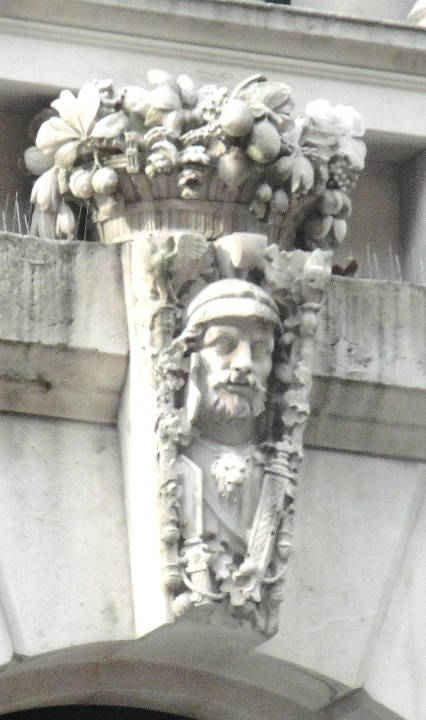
{"x": 82, "y": 609}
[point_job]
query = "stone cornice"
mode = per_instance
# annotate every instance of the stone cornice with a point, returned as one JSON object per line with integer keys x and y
{"x": 324, "y": 68}
{"x": 274, "y": 31}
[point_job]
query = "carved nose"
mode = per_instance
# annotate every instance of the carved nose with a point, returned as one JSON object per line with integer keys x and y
{"x": 241, "y": 358}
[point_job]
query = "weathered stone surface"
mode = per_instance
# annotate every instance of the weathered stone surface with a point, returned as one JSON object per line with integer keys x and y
{"x": 369, "y": 394}
{"x": 59, "y": 359}
{"x": 62, "y": 293}
{"x": 373, "y": 331}
{"x": 397, "y": 663}
{"x": 64, "y": 555}
{"x": 354, "y": 518}
{"x": 62, "y": 328}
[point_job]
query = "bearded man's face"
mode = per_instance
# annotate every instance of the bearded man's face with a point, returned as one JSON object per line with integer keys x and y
{"x": 235, "y": 360}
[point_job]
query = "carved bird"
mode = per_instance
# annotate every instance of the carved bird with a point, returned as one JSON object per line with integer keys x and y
{"x": 348, "y": 271}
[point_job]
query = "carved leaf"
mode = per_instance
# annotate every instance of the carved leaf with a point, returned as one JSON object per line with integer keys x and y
{"x": 190, "y": 249}
{"x": 88, "y": 100}
{"x": 53, "y": 133}
{"x": 67, "y": 107}
{"x": 303, "y": 175}
{"x": 45, "y": 190}
{"x": 110, "y": 126}
{"x": 65, "y": 156}
{"x": 271, "y": 93}
{"x": 65, "y": 221}
{"x": 42, "y": 223}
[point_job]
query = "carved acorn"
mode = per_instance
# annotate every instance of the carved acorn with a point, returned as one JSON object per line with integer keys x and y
{"x": 104, "y": 181}
{"x": 265, "y": 142}
{"x": 81, "y": 183}
{"x": 234, "y": 167}
{"x": 236, "y": 118}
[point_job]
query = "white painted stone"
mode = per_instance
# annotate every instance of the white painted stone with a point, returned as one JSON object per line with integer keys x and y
{"x": 397, "y": 662}
{"x": 333, "y": 48}
{"x": 354, "y": 516}
{"x": 138, "y": 448}
{"x": 64, "y": 554}
{"x": 79, "y": 276}
{"x": 372, "y": 343}
{"x": 373, "y": 332}
{"x": 363, "y": 507}
{"x": 66, "y": 357}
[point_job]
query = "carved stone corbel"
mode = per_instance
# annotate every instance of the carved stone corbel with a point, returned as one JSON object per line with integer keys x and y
{"x": 227, "y": 206}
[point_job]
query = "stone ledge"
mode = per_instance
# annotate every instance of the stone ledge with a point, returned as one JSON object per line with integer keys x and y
{"x": 64, "y": 348}
{"x": 389, "y": 45}
{"x": 368, "y": 417}
{"x": 59, "y": 381}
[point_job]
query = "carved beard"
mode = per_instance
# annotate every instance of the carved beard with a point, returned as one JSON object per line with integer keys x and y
{"x": 217, "y": 400}
{"x": 229, "y": 405}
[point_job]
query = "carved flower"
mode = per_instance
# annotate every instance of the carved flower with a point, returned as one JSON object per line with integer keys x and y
{"x": 338, "y": 127}
{"x": 175, "y": 427}
{"x": 59, "y": 140}
{"x": 77, "y": 123}
{"x": 162, "y": 159}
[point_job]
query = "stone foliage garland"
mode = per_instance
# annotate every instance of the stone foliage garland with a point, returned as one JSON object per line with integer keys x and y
{"x": 248, "y": 135}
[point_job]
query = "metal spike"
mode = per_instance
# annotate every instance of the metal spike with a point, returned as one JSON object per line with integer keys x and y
{"x": 376, "y": 265}
{"x": 398, "y": 267}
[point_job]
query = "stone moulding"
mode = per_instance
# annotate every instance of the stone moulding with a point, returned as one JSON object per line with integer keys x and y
{"x": 231, "y": 206}
{"x": 418, "y": 13}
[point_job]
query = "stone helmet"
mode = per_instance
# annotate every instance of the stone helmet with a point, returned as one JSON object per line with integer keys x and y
{"x": 232, "y": 298}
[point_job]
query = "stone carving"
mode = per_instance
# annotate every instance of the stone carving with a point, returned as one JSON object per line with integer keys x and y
{"x": 241, "y": 378}
{"x": 231, "y": 205}
{"x": 100, "y": 150}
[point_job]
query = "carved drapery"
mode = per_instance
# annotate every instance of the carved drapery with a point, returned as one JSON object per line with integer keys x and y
{"x": 231, "y": 205}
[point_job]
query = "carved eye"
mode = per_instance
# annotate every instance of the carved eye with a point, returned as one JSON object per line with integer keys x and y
{"x": 225, "y": 344}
